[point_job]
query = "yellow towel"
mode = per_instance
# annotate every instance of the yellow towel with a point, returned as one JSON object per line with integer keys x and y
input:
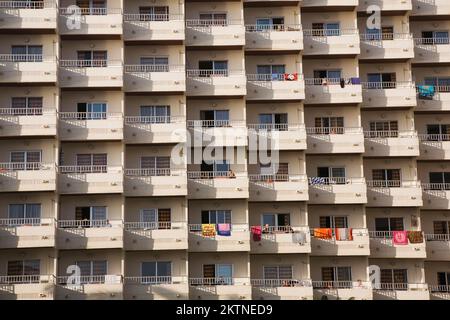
{"x": 208, "y": 230}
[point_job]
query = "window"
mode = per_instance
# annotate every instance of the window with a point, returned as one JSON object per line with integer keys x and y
{"x": 383, "y": 129}
{"x": 25, "y": 214}
{"x": 93, "y": 271}
{"x": 278, "y": 273}
{"x": 218, "y": 274}
{"x": 441, "y": 227}
{"x": 435, "y": 37}
{"x": 328, "y": 76}
{"x": 218, "y": 168}
{"x": 154, "y": 64}
{"x": 342, "y": 275}
{"x": 26, "y": 53}
{"x": 395, "y": 279}
{"x": 333, "y": 222}
{"x": 155, "y": 114}
{"x": 92, "y": 58}
{"x": 92, "y": 7}
{"x": 91, "y": 110}
{"x": 216, "y": 216}
{"x": 24, "y": 271}
{"x": 389, "y": 224}
{"x": 326, "y": 29}
{"x": 386, "y": 33}
{"x": 271, "y": 23}
{"x": 439, "y": 180}
{"x": 381, "y": 81}
{"x": 442, "y": 83}
{"x": 215, "y": 118}
{"x": 213, "y": 19}
{"x": 154, "y": 13}
{"x": 443, "y": 280}
{"x": 92, "y": 162}
{"x": 26, "y": 160}
{"x": 438, "y": 132}
{"x": 155, "y": 166}
{"x": 26, "y": 105}
{"x": 270, "y": 72}
{"x": 273, "y": 121}
{"x": 213, "y": 68}
{"x": 275, "y": 222}
{"x": 156, "y": 218}
{"x": 332, "y": 175}
{"x": 387, "y": 178}
{"x": 267, "y": 171}
{"x": 92, "y": 216}
{"x": 329, "y": 125}
{"x": 155, "y": 272}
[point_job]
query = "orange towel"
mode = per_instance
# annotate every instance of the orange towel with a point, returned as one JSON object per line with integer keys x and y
{"x": 323, "y": 233}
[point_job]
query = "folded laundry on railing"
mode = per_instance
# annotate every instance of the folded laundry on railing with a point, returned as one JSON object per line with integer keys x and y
{"x": 355, "y": 80}
{"x": 256, "y": 233}
{"x": 415, "y": 236}
{"x": 291, "y": 76}
{"x": 299, "y": 237}
{"x": 208, "y": 230}
{"x": 224, "y": 229}
{"x": 344, "y": 234}
{"x": 323, "y": 233}
{"x": 399, "y": 237}
{"x": 426, "y": 92}
{"x": 317, "y": 180}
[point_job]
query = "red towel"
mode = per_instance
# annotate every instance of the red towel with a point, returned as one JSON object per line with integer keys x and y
{"x": 256, "y": 232}
{"x": 399, "y": 237}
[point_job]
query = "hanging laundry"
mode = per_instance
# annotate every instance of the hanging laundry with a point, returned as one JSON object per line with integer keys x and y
{"x": 224, "y": 229}
{"x": 399, "y": 237}
{"x": 208, "y": 230}
{"x": 324, "y": 82}
{"x": 323, "y": 233}
{"x": 256, "y": 233}
{"x": 342, "y": 82}
{"x": 356, "y": 81}
{"x": 426, "y": 92}
{"x": 344, "y": 234}
{"x": 299, "y": 237}
{"x": 415, "y": 236}
{"x": 291, "y": 76}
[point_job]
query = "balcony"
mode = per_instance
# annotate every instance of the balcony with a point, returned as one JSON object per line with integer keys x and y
{"x": 439, "y": 100}
{"x": 278, "y": 187}
{"x": 18, "y": 122}
{"x": 342, "y": 290}
{"x": 431, "y": 50}
{"x": 156, "y": 236}
{"x": 394, "y": 193}
{"x": 339, "y": 190}
{"x": 218, "y": 133}
{"x": 387, "y": 46}
{"x": 329, "y": 3}
{"x": 382, "y": 246}
{"x": 439, "y": 292}
{"x": 101, "y": 287}
{"x": 153, "y": 27}
{"x": 335, "y": 140}
{"x": 23, "y": 15}
{"x": 215, "y": 33}
{"x": 275, "y": 87}
{"x": 75, "y": 126}
{"x": 280, "y": 136}
{"x": 430, "y": 8}
{"x": 217, "y": 185}
{"x": 27, "y": 68}
{"x": 391, "y": 143}
{"x": 22, "y": 177}
{"x": 155, "y": 182}
{"x": 27, "y": 233}
{"x": 220, "y": 289}
{"x": 355, "y": 243}
{"x": 91, "y": 21}
{"x": 238, "y": 240}
{"x": 90, "y": 179}
{"x": 438, "y": 247}
{"x": 434, "y": 146}
{"x": 386, "y": 5}
{"x": 436, "y": 196}
{"x": 90, "y": 234}
{"x": 90, "y": 73}
{"x": 27, "y": 287}
{"x": 389, "y": 94}
{"x": 331, "y": 42}
{"x": 155, "y": 129}
{"x": 282, "y": 239}
{"x": 216, "y": 83}
{"x": 155, "y": 78}
{"x": 156, "y": 288}
{"x": 324, "y": 91}
{"x": 281, "y": 37}
{"x": 281, "y": 289}
{"x": 401, "y": 291}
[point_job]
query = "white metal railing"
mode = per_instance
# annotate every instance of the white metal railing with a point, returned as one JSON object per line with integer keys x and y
{"x": 277, "y": 229}
{"x": 277, "y": 177}
{"x": 25, "y": 111}
{"x": 213, "y": 22}
{"x": 84, "y": 169}
{"x": 328, "y": 81}
{"x": 387, "y": 85}
{"x": 329, "y": 32}
{"x": 148, "y": 172}
{"x": 393, "y": 183}
{"x": 205, "y": 73}
{"x": 90, "y": 279}
{"x": 22, "y": 166}
{"x": 16, "y": 222}
{"x": 385, "y": 36}
{"x": 90, "y": 11}
{"x": 23, "y": 279}
{"x": 431, "y": 41}
{"x": 27, "y": 4}
{"x": 140, "y": 225}
{"x": 434, "y": 137}
{"x": 382, "y": 234}
{"x": 334, "y": 180}
{"x": 340, "y": 284}
{"x": 21, "y": 57}
{"x": 89, "y": 115}
{"x": 155, "y": 280}
{"x": 273, "y": 27}
{"x": 146, "y": 17}
{"x": 84, "y": 224}
{"x": 273, "y": 283}
{"x": 214, "y": 174}
{"x": 400, "y": 286}
{"x": 277, "y": 126}
{"x": 94, "y": 63}
{"x": 439, "y": 288}
{"x": 215, "y": 123}
{"x": 390, "y": 134}
{"x": 146, "y": 68}
{"x": 295, "y": 76}
{"x": 197, "y": 227}
{"x": 436, "y": 186}
{"x": 334, "y": 130}
{"x": 154, "y": 119}
{"x": 211, "y": 281}
{"x": 437, "y": 237}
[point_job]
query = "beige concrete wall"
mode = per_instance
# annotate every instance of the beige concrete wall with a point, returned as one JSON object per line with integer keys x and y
{"x": 429, "y": 216}
{"x": 50, "y": 95}
{"x": 405, "y": 118}
{"x": 351, "y": 114}
{"x": 235, "y": 58}
{"x": 422, "y": 120}
{"x": 415, "y": 267}
{"x": 297, "y": 210}
{"x": 109, "y": 4}
{"x": 46, "y": 146}
{"x": 114, "y": 151}
{"x": 346, "y": 19}
{"x": 45, "y": 255}
{"x": 407, "y": 166}
{"x": 177, "y": 104}
{"x": 431, "y": 270}
{"x": 233, "y": 9}
{"x": 299, "y": 263}
{"x": 239, "y": 211}
{"x": 291, "y": 14}
{"x": 431, "y": 25}
{"x": 359, "y": 265}
{"x": 294, "y": 110}
{"x": 295, "y": 160}
{"x": 48, "y": 42}
{"x": 401, "y": 69}
{"x": 113, "y": 99}
{"x": 46, "y": 200}
{"x": 236, "y": 108}
{"x": 70, "y": 257}
{"x": 349, "y": 66}
{"x": 353, "y": 164}
{"x": 355, "y": 214}
{"x": 399, "y": 22}
{"x": 133, "y": 261}
{"x": 177, "y": 205}
{"x": 239, "y": 260}
{"x": 69, "y": 48}
{"x": 114, "y": 205}
{"x": 175, "y": 53}
{"x": 292, "y": 62}
{"x": 411, "y": 217}
{"x": 132, "y": 6}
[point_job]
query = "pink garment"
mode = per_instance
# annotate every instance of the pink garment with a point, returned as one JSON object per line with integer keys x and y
{"x": 224, "y": 229}
{"x": 400, "y": 237}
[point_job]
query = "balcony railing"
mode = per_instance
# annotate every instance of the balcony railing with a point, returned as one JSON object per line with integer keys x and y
{"x": 272, "y": 28}
{"x": 23, "y": 58}
{"x": 90, "y": 11}
{"x": 154, "y": 119}
{"x": 214, "y": 174}
{"x": 400, "y": 286}
{"x": 215, "y": 123}
{"x": 147, "y": 68}
{"x": 434, "y": 137}
{"x": 218, "y": 281}
{"x": 151, "y": 172}
{"x": 91, "y": 279}
{"x": 331, "y": 81}
{"x": 340, "y": 284}
{"x": 385, "y": 36}
{"x": 431, "y": 41}
{"x": 334, "y": 130}
{"x": 160, "y": 225}
{"x": 273, "y": 283}
{"x": 98, "y": 63}
{"x": 277, "y": 178}
{"x": 390, "y": 134}
{"x": 27, "y": 4}
{"x": 334, "y": 180}
{"x": 151, "y": 17}
{"x": 194, "y": 23}
{"x": 197, "y": 228}
{"x": 89, "y": 115}
{"x": 26, "y": 111}
{"x": 275, "y": 77}
{"x": 24, "y": 279}
{"x": 329, "y": 32}
{"x": 84, "y": 224}
{"x": 23, "y": 166}
{"x": 381, "y": 234}
{"x": 277, "y": 126}
{"x": 436, "y": 186}
{"x": 83, "y": 169}
{"x": 149, "y": 280}
{"x": 437, "y": 237}
{"x": 18, "y": 222}
{"x": 387, "y": 85}
{"x": 209, "y": 73}
{"x": 439, "y": 288}
{"x": 393, "y": 183}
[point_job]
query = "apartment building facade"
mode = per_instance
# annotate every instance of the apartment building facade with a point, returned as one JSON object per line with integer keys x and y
{"x": 108, "y": 109}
